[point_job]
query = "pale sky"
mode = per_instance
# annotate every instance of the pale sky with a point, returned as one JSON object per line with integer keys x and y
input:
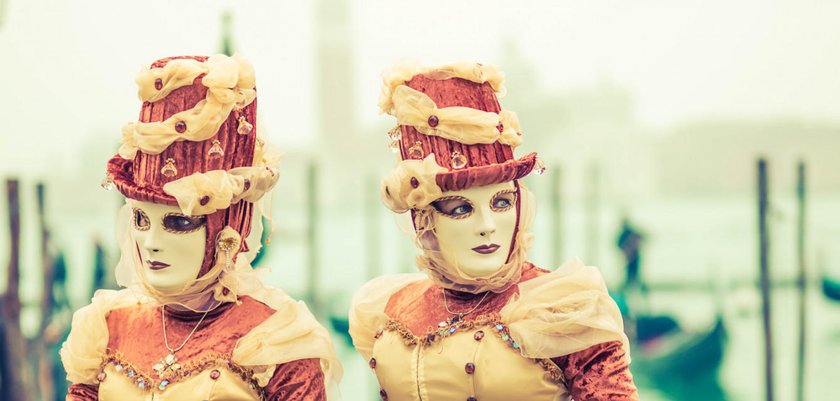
{"x": 68, "y": 66}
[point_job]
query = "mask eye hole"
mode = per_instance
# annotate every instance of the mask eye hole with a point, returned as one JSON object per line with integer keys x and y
{"x": 140, "y": 220}
{"x": 182, "y": 224}
{"x": 455, "y": 207}
{"x": 503, "y": 200}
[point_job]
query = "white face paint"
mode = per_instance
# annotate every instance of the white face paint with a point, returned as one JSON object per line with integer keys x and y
{"x": 171, "y": 244}
{"x": 474, "y": 227}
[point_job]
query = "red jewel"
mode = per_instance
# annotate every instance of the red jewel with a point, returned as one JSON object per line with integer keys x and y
{"x": 372, "y": 363}
{"x": 478, "y": 335}
{"x": 414, "y": 182}
{"x": 225, "y": 291}
{"x": 180, "y": 126}
{"x": 433, "y": 121}
{"x": 469, "y": 368}
{"x": 247, "y": 184}
{"x": 383, "y": 394}
{"x": 204, "y": 200}
{"x": 215, "y": 374}
{"x": 500, "y": 127}
{"x": 158, "y": 84}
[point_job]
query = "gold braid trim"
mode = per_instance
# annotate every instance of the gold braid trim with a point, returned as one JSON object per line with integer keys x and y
{"x": 146, "y": 382}
{"x": 552, "y": 371}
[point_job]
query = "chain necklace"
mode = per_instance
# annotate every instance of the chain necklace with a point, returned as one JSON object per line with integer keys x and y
{"x": 169, "y": 364}
{"x": 457, "y": 316}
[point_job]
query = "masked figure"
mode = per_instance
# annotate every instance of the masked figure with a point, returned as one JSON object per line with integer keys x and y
{"x": 195, "y": 322}
{"x": 483, "y": 324}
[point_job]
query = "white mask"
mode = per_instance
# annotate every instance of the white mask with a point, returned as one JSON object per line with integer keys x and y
{"x": 475, "y": 229}
{"x": 171, "y": 244}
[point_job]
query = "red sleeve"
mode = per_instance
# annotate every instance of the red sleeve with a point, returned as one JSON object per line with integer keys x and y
{"x": 599, "y": 373}
{"x": 83, "y": 392}
{"x": 300, "y": 380}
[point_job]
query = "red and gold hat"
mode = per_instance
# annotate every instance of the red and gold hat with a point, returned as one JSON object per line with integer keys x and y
{"x": 195, "y": 145}
{"x": 452, "y": 133}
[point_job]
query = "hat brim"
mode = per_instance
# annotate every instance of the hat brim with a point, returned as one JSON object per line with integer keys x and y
{"x": 457, "y": 180}
{"x": 121, "y": 172}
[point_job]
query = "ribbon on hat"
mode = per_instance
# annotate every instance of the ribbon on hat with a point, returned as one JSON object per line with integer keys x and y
{"x": 461, "y": 124}
{"x": 230, "y": 84}
{"x": 403, "y": 72}
{"x": 204, "y": 193}
{"x": 411, "y": 185}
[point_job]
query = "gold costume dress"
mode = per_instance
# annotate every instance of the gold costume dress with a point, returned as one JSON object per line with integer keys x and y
{"x": 241, "y": 351}
{"x": 554, "y": 336}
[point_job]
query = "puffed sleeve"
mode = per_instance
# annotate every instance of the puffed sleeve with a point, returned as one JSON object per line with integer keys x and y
{"x": 83, "y": 392}
{"x": 300, "y": 380}
{"x": 599, "y": 373}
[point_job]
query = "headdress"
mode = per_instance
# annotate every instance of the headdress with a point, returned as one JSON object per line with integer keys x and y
{"x": 196, "y": 146}
{"x": 451, "y": 135}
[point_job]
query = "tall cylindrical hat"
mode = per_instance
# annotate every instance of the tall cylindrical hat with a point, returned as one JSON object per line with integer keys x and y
{"x": 452, "y": 133}
{"x": 195, "y": 146}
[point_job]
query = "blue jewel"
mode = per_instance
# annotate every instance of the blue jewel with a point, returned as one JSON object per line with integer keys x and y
{"x": 451, "y": 329}
{"x": 499, "y": 327}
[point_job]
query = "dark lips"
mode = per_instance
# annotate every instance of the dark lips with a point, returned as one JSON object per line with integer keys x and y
{"x": 157, "y": 265}
{"x": 486, "y": 249}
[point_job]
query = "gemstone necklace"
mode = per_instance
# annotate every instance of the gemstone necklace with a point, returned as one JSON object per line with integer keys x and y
{"x": 169, "y": 364}
{"x": 457, "y": 316}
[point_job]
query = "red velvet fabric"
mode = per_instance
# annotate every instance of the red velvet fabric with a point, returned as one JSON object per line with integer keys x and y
{"x": 486, "y": 163}
{"x": 141, "y": 178}
{"x": 600, "y": 372}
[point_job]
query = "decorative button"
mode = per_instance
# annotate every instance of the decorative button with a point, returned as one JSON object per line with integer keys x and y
{"x": 478, "y": 335}
{"x": 158, "y": 84}
{"x": 372, "y": 363}
{"x": 458, "y": 161}
{"x": 383, "y": 394}
{"x": 469, "y": 368}
{"x": 215, "y": 374}
{"x": 414, "y": 182}
{"x": 216, "y": 150}
{"x": 169, "y": 169}
{"x": 244, "y": 127}
{"x": 433, "y": 121}
{"x": 500, "y": 127}
{"x": 204, "y": 200}
{"x": 101, "y": 376}
{"x": 416, "y": 151}
{"x": 180, "y": 126}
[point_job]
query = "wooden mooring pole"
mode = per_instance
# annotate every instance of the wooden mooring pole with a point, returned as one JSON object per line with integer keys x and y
{"x": 802, "y": 280}
{"x": 763, "y": 249}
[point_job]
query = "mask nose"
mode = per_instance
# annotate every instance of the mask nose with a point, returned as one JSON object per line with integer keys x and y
{"x": 486, "y": 225}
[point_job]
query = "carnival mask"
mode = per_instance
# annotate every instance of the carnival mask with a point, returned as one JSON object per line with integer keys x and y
{"x": 475, "y": 227}
{"x": 171, "y": 244}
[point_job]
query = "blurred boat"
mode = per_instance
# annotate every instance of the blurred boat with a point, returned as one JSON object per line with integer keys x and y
{"x": 831, "y": 288}
{"x": 678, "y": 353}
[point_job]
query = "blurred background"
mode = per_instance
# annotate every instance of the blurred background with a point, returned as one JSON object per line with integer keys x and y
{"x": 692, "y": 153}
